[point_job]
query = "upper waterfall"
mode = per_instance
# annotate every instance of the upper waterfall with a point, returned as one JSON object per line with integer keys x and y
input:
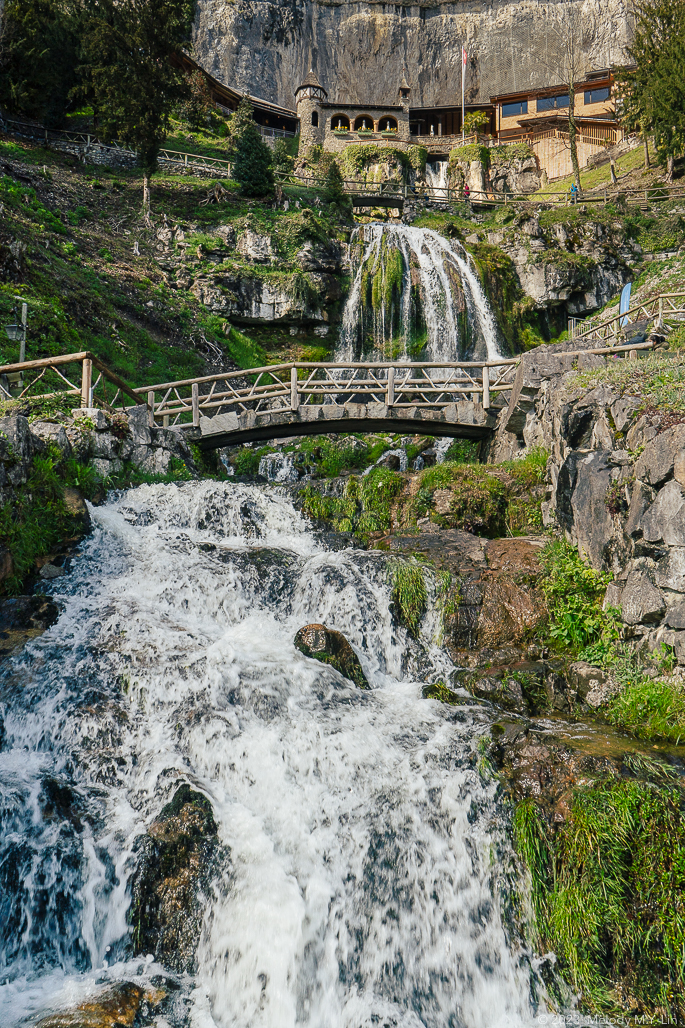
{"x": 415, "y": 294}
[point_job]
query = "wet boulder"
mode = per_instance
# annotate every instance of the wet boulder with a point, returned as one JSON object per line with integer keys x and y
{"x": 175, "y": 862}
{"x": 331, "y": 647}
{"x": 116, "y": 1006}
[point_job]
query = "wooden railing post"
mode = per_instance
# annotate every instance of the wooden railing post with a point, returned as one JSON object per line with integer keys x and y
{"x": 86, "y": 381}
{"x": 294, "y": 394}
{"x": 486, "y": 388}
{"x": 196, "y": 405}
{"x": 661, "y": 310}
{"x": 151, "y": 408}
{"x": 390, "y": 398}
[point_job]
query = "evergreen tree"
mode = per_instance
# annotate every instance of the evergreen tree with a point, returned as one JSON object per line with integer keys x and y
{"x": 252, "y": 163}
{"x": 281, "y": 161}
{"x": 128, "y": 47}
{"x": 652, "y": 91}
{"x": 39, "y": 58}
{"x": 199, "y": 105}
{"x": 240, "y": 121}
{"x": 334, "y": 192}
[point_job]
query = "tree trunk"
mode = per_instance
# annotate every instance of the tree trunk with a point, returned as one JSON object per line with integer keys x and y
{"x": 645, "y": 142}
{"x": 146, "y": 196}
{"x": 572, "y": 134}
{"x": 669, "y": 168}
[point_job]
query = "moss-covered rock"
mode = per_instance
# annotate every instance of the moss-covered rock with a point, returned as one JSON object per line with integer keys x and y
{"x": 331, "y": 647}
{"x": 175, "y": 860}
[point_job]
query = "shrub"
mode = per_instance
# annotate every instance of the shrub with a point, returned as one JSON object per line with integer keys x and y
{"x": 574, "y": 593}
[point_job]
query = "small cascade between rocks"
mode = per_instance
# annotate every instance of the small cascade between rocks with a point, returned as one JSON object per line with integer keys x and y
{"x": 415, "y": 296}
{"x": 437, "y": 177}
{"x": 360, "y": 858}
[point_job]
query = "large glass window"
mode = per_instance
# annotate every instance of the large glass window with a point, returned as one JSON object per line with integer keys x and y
{"x": 511, "y": 110}
{"x": 596, "y": 96}
{"x": 551, "y": 103}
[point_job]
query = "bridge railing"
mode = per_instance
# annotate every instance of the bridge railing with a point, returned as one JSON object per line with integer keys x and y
{"x": 662, "y": 305}
{"x": 289, "y": 387}
{"x": 297, "y": 387}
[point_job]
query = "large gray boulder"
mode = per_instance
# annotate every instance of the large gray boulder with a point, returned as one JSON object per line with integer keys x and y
{"x": 664, "y": 521}
{"x": 656, "y": 463}
{"x": 581, "y": 508}
{"x": 642, "y": 603}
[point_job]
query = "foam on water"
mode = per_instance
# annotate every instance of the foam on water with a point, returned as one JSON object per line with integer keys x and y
{"x": 362, "y": 854}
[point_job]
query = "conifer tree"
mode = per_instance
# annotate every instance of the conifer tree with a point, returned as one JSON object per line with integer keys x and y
{"x": 334, "y": 192}
{"x": 128, "y": 47}
{"x": 39, "y": 56}
{"x": 652, "y": 91}
{"x": 252, "y": 164}
{"x": 241, "y": 120}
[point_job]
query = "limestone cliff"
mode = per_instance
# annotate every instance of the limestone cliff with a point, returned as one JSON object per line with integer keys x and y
{"x": 360, "y": 50}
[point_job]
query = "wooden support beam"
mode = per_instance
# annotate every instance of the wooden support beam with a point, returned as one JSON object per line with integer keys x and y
{"x": 486, "y": 388}
{"x": 294, "y": 392}
{"x": 196, "y": 405}
{"x": 390, "y": 396}
{"x": 86, "y": 381}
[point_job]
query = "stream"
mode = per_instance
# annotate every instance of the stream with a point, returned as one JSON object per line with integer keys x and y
{"x": 364, "y": 863}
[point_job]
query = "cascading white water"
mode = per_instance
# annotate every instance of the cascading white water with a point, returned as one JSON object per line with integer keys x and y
{"x": 436, "y": 262}
{"x": 362, "y": 850}
{"x": 437, "y": 178}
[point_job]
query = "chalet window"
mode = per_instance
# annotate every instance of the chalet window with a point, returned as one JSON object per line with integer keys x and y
{"x": 552, "y": 103}
{"x": 511, "y": 110}
{"x": 315, "y": 119}
{"x": 596, "y": 96}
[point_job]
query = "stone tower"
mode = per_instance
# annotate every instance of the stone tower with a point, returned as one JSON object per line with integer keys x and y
{"x": 309, "y": 97}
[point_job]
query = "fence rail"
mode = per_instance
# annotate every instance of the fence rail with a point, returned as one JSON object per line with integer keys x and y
{"x": 282, "y": 388}
{"x": 662, "y": 305}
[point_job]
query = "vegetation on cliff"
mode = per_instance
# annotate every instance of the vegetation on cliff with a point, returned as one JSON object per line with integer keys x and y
{"x": 608, "y": 893}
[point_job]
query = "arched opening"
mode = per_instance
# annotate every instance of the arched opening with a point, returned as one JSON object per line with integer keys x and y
{"x": 315, "y": 119}
{"x": 340, "y": 123}
{"x": 363, "y": 124}
{"x": 387, "y": 125}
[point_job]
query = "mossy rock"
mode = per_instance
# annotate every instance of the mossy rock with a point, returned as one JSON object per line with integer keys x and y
{"x": 331, "y": 647}
{"x": 174, "y": 868}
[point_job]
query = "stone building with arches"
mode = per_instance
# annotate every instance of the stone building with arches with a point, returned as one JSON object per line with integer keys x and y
{"x": 335, "y": 125}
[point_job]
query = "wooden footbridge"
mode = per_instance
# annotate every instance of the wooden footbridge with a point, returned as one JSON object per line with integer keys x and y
{"x": 229, "y": 408}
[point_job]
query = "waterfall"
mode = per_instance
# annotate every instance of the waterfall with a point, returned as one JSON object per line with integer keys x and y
{"x": 437, "y": 177}
{"x": 362, "y": 854}
{"x": 415, "y": 295}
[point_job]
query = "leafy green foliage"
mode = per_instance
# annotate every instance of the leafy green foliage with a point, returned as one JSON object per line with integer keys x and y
{"x": 364, "y": 507}
{"x": 408, "y": 593}
{"x": 478, "y": 502}
{"x": 574, "y": 593}
{"x": 245, "y": 351}
{"x": 608, "y": 891}
{"x": 198, "y": 106}
{"x": 38, "y": 520}
{"x": 470, "y": 152}
{"x": 475, "y": 121}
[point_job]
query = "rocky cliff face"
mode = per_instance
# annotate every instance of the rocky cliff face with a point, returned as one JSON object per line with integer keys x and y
{"x": 617, "y": 481}
{"x": 360, "y": 50}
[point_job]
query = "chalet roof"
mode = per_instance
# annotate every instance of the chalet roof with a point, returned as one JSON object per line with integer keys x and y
{"x": 226, "y": 93}
{"x": 592, "y": 79}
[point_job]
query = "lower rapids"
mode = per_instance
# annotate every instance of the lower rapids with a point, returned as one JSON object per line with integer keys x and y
{"x": 362, "y": 875}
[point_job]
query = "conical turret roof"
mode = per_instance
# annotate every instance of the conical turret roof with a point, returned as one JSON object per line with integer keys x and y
{"x": 311, "y": 79}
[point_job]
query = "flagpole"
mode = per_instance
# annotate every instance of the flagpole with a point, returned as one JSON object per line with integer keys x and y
{"x": 463, "y": 77}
